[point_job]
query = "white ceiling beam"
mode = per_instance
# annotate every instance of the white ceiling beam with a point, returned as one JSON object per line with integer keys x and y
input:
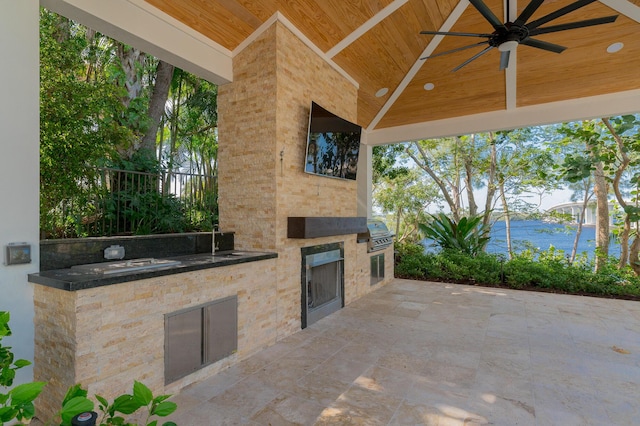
{"x": 612, "y": 104}
{"x": 624, "y": 7}
{"x": 511, "y": 73}
{"x": 278, "y": 17}
{"x": 511, "y": 80}
{"x": 431, "y": 47}
{"x": 138, "y": 24}
{"x": 362, "y": 29}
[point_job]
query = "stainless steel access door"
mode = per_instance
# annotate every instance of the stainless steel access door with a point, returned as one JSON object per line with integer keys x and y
{"x": 183, "y": 349}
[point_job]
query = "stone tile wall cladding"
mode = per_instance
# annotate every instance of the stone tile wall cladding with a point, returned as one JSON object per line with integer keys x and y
{"x": 119, "y": 329}
{"x": 264, "y": 115}
{"x": 106, "y": 337}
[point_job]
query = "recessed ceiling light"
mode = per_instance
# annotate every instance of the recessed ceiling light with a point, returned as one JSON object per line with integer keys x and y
{"x": 380, "y": 93}
{"x": 429, "y": 86}
{"x": 615, "y": 47}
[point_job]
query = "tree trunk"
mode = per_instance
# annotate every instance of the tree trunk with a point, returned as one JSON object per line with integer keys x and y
{"x": 634, "y": 252}
{"x": 174, "y": 126}
{"x": 624, "y": 243}
{"x": 424, "y": 165}
{"x": 602, "y": 216}
{"x": 491, "y": 184}
{"x": 625, "y": 161}
{"x": 507, "y": 218}
{"x": 398, "y": 214}
{"x": 131, "y": 60}
{"x": 164, "y": 74}
{"x": 585, "y": 202}
{"x": 468, "y": 168}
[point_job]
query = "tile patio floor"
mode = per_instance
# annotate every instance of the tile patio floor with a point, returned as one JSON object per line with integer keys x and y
{"x": 417, "y": 353}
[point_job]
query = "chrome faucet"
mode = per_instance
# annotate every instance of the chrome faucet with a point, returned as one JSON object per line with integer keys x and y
{"x": 213, "y": 239}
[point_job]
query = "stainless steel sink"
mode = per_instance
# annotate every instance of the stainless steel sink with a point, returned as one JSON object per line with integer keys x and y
{"x": 126, "y": 266}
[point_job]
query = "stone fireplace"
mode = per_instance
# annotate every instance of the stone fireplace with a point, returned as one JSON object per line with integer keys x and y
{"x": 322, "y": 281}
{"x": 263, "y": 124}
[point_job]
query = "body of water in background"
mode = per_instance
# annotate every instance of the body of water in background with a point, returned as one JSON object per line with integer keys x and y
{"x": 542, "y": 235}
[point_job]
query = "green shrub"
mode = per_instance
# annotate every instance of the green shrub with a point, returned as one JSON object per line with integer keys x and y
{"x": 482, "y": 268}
{"x": 17, "y": 403}
{"x": 411, "y": 260}
{"x": 545, "y": 270}
{"x": 466, "y": 235}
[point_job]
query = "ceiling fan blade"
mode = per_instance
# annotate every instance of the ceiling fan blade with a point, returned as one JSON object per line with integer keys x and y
{"x": 456, "y": 50}
{"x": 488, "y": 14}
{"x": 504, "y": 59}
{"x": 544, "y": 45}
{"x": 558, "y": 13}
{"x": 527, "y": 12}
{"x": 474, "y": 57}
{"x": 455, "y": 34}
{"x": 573, "y": 25}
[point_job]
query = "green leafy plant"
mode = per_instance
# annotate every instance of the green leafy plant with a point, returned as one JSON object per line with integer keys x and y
{"x": 76, "y": 402}
{"x": 17, "y": 403}
{"x": 466, "y": 235}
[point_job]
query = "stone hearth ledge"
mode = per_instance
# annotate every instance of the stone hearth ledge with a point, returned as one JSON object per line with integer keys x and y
{"x": 73, "y": 280}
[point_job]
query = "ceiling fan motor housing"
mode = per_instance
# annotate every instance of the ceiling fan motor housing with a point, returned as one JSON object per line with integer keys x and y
{"x": 505, "y": 39}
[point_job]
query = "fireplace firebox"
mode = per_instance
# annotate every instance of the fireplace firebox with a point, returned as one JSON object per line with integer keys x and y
{"x": 322, "y": 281}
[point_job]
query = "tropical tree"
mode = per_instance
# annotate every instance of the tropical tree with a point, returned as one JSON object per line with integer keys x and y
{"x": 625, "y": 144}
{"x": 188, "y": 138}
{"x": 442, "y": 160}
{"x": 103, "y": 104}
{"x": 612, "y": 152}
{"x": 407, "y": 198}
{"x": 523, "y": 164}
{"x": 77, "y": 109}
{"x": 580, "y": 165}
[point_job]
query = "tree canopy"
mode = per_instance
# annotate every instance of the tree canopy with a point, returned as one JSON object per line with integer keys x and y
{"x": 104, "y": 103}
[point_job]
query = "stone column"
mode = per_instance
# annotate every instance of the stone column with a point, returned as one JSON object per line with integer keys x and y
{"x": 263, "y": 122}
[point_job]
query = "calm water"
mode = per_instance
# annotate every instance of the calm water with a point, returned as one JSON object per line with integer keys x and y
{"x": 542, "y": 235}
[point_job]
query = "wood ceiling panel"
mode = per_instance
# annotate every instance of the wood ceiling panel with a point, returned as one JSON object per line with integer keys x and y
{"x": 327, "y": 22}
{"x": 477, "y": 87}
{"x": 584, "y": 68}
{"x": 383, "y": 56}
{"x": 227, "y": 22}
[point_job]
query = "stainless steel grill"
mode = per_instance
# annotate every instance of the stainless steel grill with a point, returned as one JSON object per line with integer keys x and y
{"x": 378, "y": 236}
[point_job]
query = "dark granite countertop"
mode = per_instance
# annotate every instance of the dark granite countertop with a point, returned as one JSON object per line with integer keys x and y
{"x": 75, "y": 278}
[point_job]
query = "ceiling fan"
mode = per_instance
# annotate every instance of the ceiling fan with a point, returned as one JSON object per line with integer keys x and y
{"x": 507, "y": 36}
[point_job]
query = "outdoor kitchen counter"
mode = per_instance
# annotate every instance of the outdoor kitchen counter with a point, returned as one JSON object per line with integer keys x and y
{"x": 73, "y": 279}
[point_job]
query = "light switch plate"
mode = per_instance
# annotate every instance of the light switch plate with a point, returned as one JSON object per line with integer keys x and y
{"x": 18, "y": 253}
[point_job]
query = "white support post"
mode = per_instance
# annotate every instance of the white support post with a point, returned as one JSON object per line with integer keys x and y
{"x": 364, "y": 178}
{"x": 19, "y": 168}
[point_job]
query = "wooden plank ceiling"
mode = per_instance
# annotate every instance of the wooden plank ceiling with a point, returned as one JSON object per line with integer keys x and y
{"x": 378, "y": 43}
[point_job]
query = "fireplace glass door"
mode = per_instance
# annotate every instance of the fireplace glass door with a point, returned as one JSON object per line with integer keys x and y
{"x": 324, "y": 281}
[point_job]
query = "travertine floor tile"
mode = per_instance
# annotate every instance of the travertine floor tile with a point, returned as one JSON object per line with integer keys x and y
{"x": 418, "y": 353}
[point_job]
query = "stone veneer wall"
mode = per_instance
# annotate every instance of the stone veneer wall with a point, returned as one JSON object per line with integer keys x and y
{"x": 106, "y": 337}
{"x": 263, "y": 119}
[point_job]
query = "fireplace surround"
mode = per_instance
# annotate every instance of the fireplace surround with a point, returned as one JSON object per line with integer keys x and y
{"x": 322, "y": 281}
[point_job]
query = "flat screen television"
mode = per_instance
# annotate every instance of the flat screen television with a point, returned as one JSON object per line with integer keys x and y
{"x": 333, "y": 145}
